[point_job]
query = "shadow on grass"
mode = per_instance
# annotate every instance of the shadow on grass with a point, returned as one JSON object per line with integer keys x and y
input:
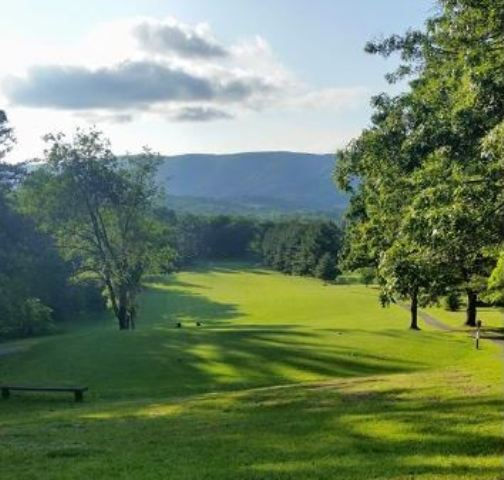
{"x": 230, "y": 266}
{"x": 493, "y": 334}
{"x": 160, "y": 360}
{"x": 348, "y": 430}
{"x": 162, "y": 282}
{"x": 352, "y": 428}
{"x": 166, "y": 306}
{"x": 223, "y": 355}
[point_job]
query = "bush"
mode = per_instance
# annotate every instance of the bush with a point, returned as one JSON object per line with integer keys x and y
{"x": 452, "y": 301}
{"x": 26, "y": 318}
{"x": 367, "y": 276}
{"x": 326, "y": 268}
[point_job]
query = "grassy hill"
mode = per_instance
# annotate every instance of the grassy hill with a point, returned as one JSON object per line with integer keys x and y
{"x": 253, "y": 182}
{"x": 286, "y": 379}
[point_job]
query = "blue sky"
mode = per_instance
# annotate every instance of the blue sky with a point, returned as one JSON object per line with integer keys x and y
{"x": 197, "y": 75}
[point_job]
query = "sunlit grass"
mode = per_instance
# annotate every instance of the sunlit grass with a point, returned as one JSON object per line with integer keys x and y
{"x": 285, "y": 379}
{"x": 491, "y": 317}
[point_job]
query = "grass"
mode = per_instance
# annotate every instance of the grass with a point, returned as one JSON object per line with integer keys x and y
{"x": 491, "y": 317}
{"x": 286, "y": 379}
{"x": 492, "y": 320}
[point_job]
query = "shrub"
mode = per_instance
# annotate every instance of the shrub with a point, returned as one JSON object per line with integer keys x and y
{"x": 326, "y": 268}
{"x": 452, "y": 301}
{"x": 367, "y": 276}
{"x": 26, "y": 318}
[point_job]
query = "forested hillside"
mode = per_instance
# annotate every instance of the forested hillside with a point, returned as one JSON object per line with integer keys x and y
{"x": 248, "y": 182}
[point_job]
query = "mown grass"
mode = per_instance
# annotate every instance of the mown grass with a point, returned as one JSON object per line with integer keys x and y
{"x": 491, "y": 317}
{"x": 492, "y": 321}
{"x": 285, "y": 379}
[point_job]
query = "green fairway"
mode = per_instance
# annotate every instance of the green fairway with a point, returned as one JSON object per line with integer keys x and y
{"x": 286, "y": 378}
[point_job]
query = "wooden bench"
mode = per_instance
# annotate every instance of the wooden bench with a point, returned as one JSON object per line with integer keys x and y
{"x": 77, "y": 391}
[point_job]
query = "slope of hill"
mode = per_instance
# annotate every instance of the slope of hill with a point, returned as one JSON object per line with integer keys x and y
{"x": 277, "y": 181}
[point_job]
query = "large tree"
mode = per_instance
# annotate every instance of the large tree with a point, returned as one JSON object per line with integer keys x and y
{"x": 379, "y": 231}
{"x": 99, "y": 209}
{"x": 455, "y": 66}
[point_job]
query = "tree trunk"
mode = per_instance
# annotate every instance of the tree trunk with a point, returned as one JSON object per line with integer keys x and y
{"x": 414, "y": 310}
{"x": 132, "y": 314}
{"x": 123, "y": 311}
{"x": 472, "y": 298}
{"x": 122, "y": 316}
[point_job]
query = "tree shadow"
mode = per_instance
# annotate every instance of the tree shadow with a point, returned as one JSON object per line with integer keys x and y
{"x": 232, "y": 267}
{"x": 354, "y": 429}
{"x": 351, "y": 427}
{"x": 493, "y": 334}
{"x": 165, "y": 307}
{"x": 214, "y": 350}
{"x": 161, "y": 282}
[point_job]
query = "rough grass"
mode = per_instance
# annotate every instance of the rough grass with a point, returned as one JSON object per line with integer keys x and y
{"x": 286, "y": 379}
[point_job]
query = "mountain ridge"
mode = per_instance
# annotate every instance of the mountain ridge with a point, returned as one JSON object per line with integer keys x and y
{"x": 291, "y": 181}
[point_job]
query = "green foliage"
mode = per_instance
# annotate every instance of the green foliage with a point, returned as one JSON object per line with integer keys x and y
{"x": 264, "y": 209}
{"x": 7, "y": 138}
{"x": 452, "y": 301}
{"x": 99, "y": 210}
{"x": 296, "y": 247}
{"x": 327, "y": 268}
{"x": 204, "y": 237}
{"x": 35, "y": 289}
{"x": 367, "y": 275}
{"x": 427, "y": 207}
{"x": 495, "y": 291}
{"x": 24, "y": 317}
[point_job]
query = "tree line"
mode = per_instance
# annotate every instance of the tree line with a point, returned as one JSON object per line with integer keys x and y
{"x": 427, "y": 177}
{"x": 295, "y": 246}
{"x": 301, "y": 247}
{"x": 215, "y": 237}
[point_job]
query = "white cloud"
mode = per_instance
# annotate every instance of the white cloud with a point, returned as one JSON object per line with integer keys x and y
{"x": 172, "y": 37}
{"x": 128, "y": 85}
{"x": 147, "y": 80}
{"x": 149, "y": 65}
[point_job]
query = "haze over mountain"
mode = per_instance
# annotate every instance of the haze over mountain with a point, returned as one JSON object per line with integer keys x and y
{"x": 255, "y": 181}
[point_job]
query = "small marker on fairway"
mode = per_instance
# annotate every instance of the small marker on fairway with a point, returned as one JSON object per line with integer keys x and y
{"x": 477, "y": 336}
{"x": 178, "y": 325}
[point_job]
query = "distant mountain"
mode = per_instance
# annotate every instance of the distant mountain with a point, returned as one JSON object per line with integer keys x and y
{"x": 252, "y": 182}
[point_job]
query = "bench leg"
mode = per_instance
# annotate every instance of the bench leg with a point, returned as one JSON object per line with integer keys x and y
{"x": 5, "y": 393}
{"x": 78, "y": 396}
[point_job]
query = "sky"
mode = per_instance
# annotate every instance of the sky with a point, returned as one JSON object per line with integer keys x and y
{"x": 197, "y": 76}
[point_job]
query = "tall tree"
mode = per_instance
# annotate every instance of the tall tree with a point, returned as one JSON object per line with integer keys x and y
{"x": 100, "y": 211}
{"x": 455, "y": 66}
{"x": 378, "y": 233}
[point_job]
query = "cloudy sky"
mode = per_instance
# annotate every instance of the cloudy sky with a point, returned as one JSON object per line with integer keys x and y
{"x": 196, "y": 75}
